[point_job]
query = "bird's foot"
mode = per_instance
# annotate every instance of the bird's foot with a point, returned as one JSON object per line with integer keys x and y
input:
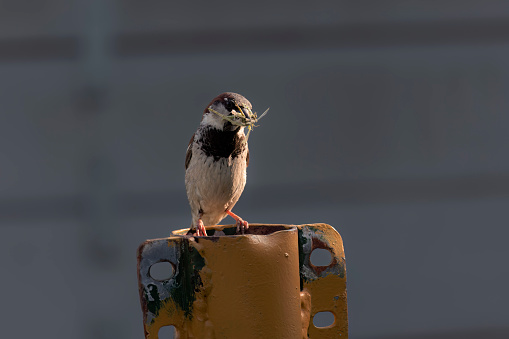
{"x": 199, "y": 231}
{"x": 242, "y": 225}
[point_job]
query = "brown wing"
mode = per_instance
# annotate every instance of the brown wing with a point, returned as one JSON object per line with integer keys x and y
{"x": 247, "y": 159}
{"x": 189, "y": 152}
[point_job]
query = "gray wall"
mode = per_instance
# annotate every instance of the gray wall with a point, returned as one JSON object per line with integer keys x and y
{"x": 388, "y": 121}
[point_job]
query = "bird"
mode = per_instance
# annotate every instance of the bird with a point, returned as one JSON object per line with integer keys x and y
{"x": 216, "y": 161}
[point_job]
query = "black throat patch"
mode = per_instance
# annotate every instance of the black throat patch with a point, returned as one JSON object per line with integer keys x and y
{"x": 221, "y": 144}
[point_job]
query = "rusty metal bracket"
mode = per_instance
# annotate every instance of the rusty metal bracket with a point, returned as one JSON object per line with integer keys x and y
{"x": 259, "y": 285}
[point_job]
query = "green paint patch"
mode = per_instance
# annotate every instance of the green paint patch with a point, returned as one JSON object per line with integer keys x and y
{"x": 182, "y": 287}
{"x": 187, "y": 279}
{"x": 153, "y": 302}
{"x": 302, "y": 240}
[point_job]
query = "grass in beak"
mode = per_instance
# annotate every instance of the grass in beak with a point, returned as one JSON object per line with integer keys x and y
{"x": 242, "y": 121}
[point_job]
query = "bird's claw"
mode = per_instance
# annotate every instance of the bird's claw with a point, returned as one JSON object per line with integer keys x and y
{"x": 242, "y": 226}
{"x": 200, "y": 230}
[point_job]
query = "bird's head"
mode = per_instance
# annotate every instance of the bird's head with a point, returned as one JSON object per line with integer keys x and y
{"x": 229, "y": 111}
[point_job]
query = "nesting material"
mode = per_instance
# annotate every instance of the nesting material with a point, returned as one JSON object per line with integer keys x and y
{"x": 237, "y": 118}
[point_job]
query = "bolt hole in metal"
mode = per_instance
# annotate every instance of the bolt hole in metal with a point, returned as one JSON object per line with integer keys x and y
{"x": 323, "y": 319}
{"x": 166, "y": 332}
{"x": 321, "y": 257}
{"x": 161, "y": 271}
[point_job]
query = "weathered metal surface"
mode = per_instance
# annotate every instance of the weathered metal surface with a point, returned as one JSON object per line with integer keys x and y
{"x": 258, "y": 285}
{"x": 325, "y": 284}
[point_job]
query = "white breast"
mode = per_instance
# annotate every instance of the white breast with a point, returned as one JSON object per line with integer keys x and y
{"x": 214, "y": 186}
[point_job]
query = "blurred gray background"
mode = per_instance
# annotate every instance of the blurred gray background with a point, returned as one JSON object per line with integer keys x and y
{"x": 388, "y": 120}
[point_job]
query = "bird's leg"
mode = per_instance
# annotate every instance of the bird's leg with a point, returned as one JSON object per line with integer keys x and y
{"x": 199, "y": 228}
{"x": 242, "y": 225}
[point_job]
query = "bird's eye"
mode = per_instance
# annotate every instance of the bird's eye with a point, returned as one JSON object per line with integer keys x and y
{"x": 229, "y": 105}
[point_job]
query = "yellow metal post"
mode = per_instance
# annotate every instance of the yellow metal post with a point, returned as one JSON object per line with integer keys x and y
{"x": 257, "y": 285}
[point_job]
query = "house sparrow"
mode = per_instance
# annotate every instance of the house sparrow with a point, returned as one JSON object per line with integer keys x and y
{"x": 216, "y": 162}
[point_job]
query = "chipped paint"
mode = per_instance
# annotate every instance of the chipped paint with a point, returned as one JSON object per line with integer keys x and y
{"x": 257, "y": 285}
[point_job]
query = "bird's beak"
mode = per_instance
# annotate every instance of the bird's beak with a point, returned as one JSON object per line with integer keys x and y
{"x": 247, "y": 112}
